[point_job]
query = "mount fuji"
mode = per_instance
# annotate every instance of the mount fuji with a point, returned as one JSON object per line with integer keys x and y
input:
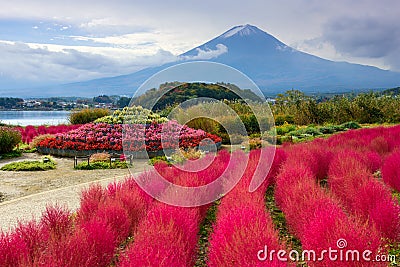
{"x": 271, "y": 64}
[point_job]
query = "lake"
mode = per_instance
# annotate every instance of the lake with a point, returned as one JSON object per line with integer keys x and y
{"x": 25, "y": 118}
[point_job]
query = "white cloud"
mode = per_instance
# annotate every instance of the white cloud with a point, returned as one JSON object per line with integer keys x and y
{"x": 48, "y": 63}
{"x": 207, "y": 53}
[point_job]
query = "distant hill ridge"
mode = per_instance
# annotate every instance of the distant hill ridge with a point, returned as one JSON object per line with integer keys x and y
{"x": 173, "y": 93}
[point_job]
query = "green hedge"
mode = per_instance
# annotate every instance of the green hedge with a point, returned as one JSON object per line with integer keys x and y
{"x": 134, "y": 114}
{"x": 9, "y": 138}
{"x": 101, "y": 165}
{"x": 29, "y": 166}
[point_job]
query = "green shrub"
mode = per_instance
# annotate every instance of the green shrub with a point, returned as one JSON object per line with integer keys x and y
{"x": 29, "y": 166}
{"x": 351, "y": 125}
{"x": 281, "y": 119}
{"x": 330, "y": 129}
{"x": 134, "y": 114}
{"x": 250, "y": 122}
{"x": 13, "y": 154}
{"x": 101, "y": 165}
{"x": 158, "y": 159}
{"x": 339, "y": 128}
{"x": 284, "y": 139}
{"x": 9, "y": 138}
{"x": 87, "y": 115}
{"x": 312, "y": 131}
{"x": 285, "y": 128}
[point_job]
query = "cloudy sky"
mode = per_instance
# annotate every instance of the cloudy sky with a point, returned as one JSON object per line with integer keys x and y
{"x": 45, "y": 42}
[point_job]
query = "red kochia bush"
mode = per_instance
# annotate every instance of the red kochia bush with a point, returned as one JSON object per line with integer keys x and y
{"x": 239, "y": 237}
{"x": 90, "y": 201}
{"x": 330, "y": 224}
{"x": 121, "y": 206}
{"x": 243, "y": 227}
{"x": 92, "y": 244}
{"x": 166, "y": 237}
{"x": 57, "y": 221}
{"x": 35, "y": 238}
{"x": 13, "y": 250}
{"x": 391, "y": 170}
{"x": 296, "y": 190}
{"x": 314, "y": 155}
{"x": 314, "y": 216}
{"x": 351, "y": 181}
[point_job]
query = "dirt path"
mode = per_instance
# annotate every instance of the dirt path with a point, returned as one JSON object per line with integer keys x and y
{"x": 32, "y": 206}
{"x": 24, "y": 195}
{"x": 19, "y": 184}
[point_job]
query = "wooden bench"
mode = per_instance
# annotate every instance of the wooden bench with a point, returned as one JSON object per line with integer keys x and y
{"x": 80, "y": 157}
{"x": 115, "y": 156}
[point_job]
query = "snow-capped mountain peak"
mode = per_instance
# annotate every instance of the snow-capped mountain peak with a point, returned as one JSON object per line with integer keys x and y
{"x": 242, "y": 30}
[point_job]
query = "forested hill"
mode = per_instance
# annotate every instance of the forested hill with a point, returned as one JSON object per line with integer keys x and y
{"x": 393, "y": 91}
{"x": 170, "y": 94}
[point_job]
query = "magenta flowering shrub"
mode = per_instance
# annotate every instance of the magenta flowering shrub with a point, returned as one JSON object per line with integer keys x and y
{"x": 136, "y": 137}
{"x": 29, "y": 132}
{"x": 101, "y": 136}
{"x": 13, "y": 250}
{"x": 169, "y": 135}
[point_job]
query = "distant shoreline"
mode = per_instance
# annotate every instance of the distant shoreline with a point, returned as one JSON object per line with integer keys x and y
{"x": 23, "y": 109}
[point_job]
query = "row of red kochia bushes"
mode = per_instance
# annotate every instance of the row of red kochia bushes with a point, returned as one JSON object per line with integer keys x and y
{"x": 243, "y": 226}
{"x": 355, "y": 206}
{"x": 167, "y": 236}
{"x": 313, "y": 214}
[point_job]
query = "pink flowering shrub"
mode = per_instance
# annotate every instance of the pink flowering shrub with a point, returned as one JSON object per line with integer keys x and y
{"x": 131, "y": 138}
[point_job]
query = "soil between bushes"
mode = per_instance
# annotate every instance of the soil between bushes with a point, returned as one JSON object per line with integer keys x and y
{"x": 14, "y": 185}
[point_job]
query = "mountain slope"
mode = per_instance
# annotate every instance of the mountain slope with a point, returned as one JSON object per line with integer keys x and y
{"x": 274, "y": 66}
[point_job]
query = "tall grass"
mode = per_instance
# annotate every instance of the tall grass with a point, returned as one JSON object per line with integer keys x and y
{"x": 87, "y": 115}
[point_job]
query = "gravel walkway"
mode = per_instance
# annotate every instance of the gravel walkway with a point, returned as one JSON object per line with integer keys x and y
{"x": 32, "y": 206}
{"x": 26, "y": 194}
